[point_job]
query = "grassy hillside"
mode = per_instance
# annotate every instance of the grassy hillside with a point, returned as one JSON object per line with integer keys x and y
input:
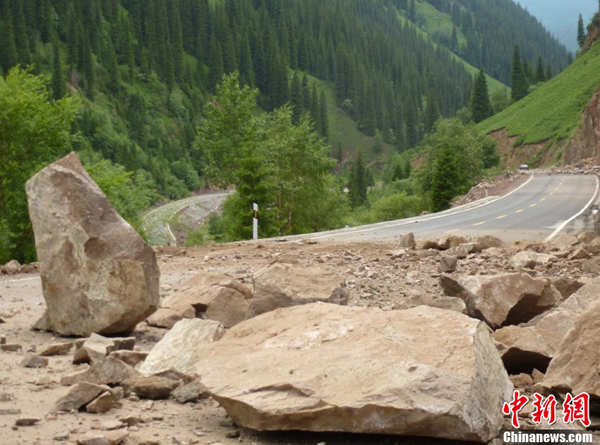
{"x": 436, "y": 21}
{"x": 554, "y": 110}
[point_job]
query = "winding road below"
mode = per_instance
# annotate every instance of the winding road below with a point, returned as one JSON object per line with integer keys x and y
{"x": 541, "y": 209}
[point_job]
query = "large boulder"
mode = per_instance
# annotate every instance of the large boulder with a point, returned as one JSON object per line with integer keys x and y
{"x": 575, "y": 365}
{"x": 178, "y": 349}
{"x": 213, "y": 296}
{"x": 488, "y": 242}
{"x": 503, "y": 299}
{"x": 532, "y": 346}
{"x": 450, "y": 241}
{"x": 407, "y": 241}
{"x": 323, "y": 367}
{"x": 283, "y": 284}
{"x": 98, "y": 275}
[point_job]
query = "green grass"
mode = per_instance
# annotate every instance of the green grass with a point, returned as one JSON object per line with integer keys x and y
{"x": 342, "y": 128}
{"x": 554, "y": 110}
{"x": 436, "y": 20}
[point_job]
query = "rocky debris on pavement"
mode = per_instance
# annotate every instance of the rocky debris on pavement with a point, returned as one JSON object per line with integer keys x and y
{"x": 12, "y": 267}
{"x": 178, "y": 348}
{"x": 422, "y": 371}
{"x": 285, "y": 284}
{"x": 27, "y": 421}
{"x": 489, "y": 241}
{"x": 152, "y": 387}
{"x": 96, "y": 348}
{"x": 80, "y": 395}
{"x": 109, "y": 371}
{"x": 132, "y": 358}
{"x": 106, "y": 438}
{"x": 532, "y": 346}
{"x": 529, "y": 260}
{"x": 450, "y": 241}
{"x": 206, "y": 295}
{"x": 56, "y": 349}
{"x": 32, "y": 360}
{"x": 502, "y": 299}
{"x": 191, "y": 392}
{"x": 98, "y": 275}
{"x": 407, "y": 241}
{"x": 448, "y": 264}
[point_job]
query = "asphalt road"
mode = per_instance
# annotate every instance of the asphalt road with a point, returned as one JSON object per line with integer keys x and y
{"x": 541, "y": 209}
{"x": 157, "y": 221}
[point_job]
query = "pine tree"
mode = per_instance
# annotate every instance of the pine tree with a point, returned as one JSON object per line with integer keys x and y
{"x": 20, "y": 30}
{"x": 580, "y": 32}
{"x": 412, "y": 11}
{"x": 176, "y": 40}
{"x": 412, "y": 126}
{"x": 357, "y": 183}
{"x": 296, "y": 98}
{"x": 433, "y": 111}
{"x": 8, "y": 48}
{"x": 480, "y": 105}
{"x": 454, "y": 40}
{"x": 324, "y": 129}
{"x": 73, "y": 41}
{"x": 540, "y": 76}
{"x": 58, "y": 82}
{"x": 445, "y": 180}
{"x": 215, "y": 62}
{"x": 518, "y": 79}
{"x": 549, "y": 74}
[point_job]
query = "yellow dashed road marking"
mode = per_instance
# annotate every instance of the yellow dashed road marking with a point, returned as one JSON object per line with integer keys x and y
{"x": 519, "y": 211}
{"x": 532, "y": 205}
{"x": 452, "y": 231}
{"x": 502, "y": 217}
{"x": 542, "y": 200}
{"x": 480, "y": 224}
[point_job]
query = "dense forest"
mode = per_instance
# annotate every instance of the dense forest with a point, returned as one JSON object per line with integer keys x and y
{"x": 143, "y": 75}
{"x": 492, "y": 29}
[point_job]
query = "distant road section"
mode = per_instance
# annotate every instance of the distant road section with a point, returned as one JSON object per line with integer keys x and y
{"x": 157, "y": 221}
{"x": 541, "y": 209}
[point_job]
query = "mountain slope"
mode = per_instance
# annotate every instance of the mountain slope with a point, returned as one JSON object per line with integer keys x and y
{"x": 552, "y": 113}
{"x": 560, "y": 17}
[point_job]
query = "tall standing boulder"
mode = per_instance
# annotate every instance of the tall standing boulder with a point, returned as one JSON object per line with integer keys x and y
{"x": 323, "y": 367}
{"x": 98, "y": 275}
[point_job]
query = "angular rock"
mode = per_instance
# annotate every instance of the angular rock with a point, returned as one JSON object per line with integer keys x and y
{"x": 95, "y": 348}
{"x": 448, "y": 264}
{"x": 422, "y": 372}
{"x": 192, "y": 392}
{"x": 461, "y": 252}
{"x": 12, "y": 267}
{"x": 132, "y": 358}
{"x": 528, "y": 259}
{"x": 579, "y": 254}
{"x": 575, "y": 365}
{"x": 567, "y": 286}
{"x": 587, "y": 236}
{"x": 449, "y": 241}
{"x": 529, "y": 347}
{"x": 98, "y": 275}
{"x": 503, "y": 299}
{"x": 102, "y": 404}
{"x": 281, "y": 285}
{"x": 407, "y": 241}
{"x": 153, "y": 388}
{"x": 11, "y": 347}
{"x": 32, "y": 360}
{"x": 27, "y": 421}
{"x": 79, "y": 396}
{"x": 106, "y": 438}
{"x": 178, "y": 348}
{"x": 206, "y": 295}
{"x": 565, "y": 241}
{"x": 56, "y": 349}
{"x": 109, "y": 371}
{"x": 488, "y": 242}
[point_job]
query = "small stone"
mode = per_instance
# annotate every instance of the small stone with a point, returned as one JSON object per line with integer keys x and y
{"x": 79, "y": 395}
{"x": 102, "y": 404}
{"x": 11, "y": 347}
{"x": 132, "y": 358}
{"x": 56, "y": 349}
{"x": 2, "y": 339}
{"x": 579, "y": 254}
{"x": 32, "y": 360}
{"x": 191, "y": 392}
{"x": 110, "y": 425}
{"x": 43, "y": 381}
{"x": 131, "y": 420}
{"x": 12, "y": 267}
{"x": 154, "y": 388}
{"x": 27, "y": 421}
{"x": 62, "y": 436}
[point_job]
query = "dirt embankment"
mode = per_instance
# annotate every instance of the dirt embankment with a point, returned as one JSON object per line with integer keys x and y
{"x": 585, "y": 145}
{"x": 515, "y": 154}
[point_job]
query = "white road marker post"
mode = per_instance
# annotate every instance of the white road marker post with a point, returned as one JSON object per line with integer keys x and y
{"x": 255, "y": 221}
